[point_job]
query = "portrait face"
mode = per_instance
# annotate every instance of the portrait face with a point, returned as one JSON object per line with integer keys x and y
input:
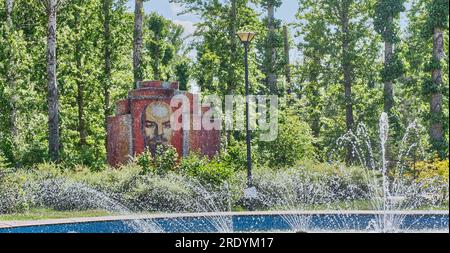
{"x": 156, "y": 127}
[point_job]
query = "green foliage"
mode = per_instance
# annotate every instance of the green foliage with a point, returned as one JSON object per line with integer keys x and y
{"x": 392, "y": 70}
{"x": 294, "y": 143}
{"x": 235, "y": 154}
{"x": 162, "y": 44}
{"x": 183, "y": 75}
{"x": 275, "y": 3}
{"x": 165, "y": 160}
{"x": 215, "y": 172}
{"x": 212, "y": 172}
{"x": 145, "y": 161}
{"x": 437, "y": 16}
{"x": 3, "y": 163}
{"x": 385, "y": 12}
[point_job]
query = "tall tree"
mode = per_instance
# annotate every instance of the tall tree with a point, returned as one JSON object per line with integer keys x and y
{"x": 219, "y": 67}
{"x": 138, "y": 40}
{"x": 9, "y": 4}
{"x": 163, "y": 43}
{"x": 437, "y": 22}
{"x": 51, "y": 7}
{"x": 107, "y": 44}
{"x": 79, "y": 83}
{"x": 346, "y": 51}
{"x": 272, "y": 44}
{"x": 387, "y": 12}
{"x": 287, "y": 61}
{"x": 10, "y": 73}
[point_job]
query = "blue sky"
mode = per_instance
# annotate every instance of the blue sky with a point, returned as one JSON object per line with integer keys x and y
{"x": 170, "y": 11}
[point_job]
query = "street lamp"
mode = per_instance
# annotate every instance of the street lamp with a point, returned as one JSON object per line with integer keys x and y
{"x": 246, "y": 38}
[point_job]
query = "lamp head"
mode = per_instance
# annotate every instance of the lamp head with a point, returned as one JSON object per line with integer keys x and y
{"x": 246, "y": 37}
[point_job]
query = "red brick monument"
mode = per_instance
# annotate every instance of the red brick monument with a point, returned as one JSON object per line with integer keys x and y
{"x": 143, "y": 121}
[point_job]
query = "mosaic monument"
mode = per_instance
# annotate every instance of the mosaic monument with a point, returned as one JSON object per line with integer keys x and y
{"x": 143, "y": 121}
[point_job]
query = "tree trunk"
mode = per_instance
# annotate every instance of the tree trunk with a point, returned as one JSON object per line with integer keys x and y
{"x": 80, "y": 101}
{"x": 9, "y": 8}
{"x": 315, "y": 121}
{"x": 287, "y": 65}
{"x": 53, "y": 103}
{"x": 233, "y": 53}
{"x": 80, "y": 87}
{"x": 388, "y": 84}
{"x": 388, "y": 90}
{"x": 347, "y": 78}
{"x": 156, "y": 60}
{"x": 107, "y": 71}
{"x": 437, "y": 129}
{"x": 233, "y": 30}
{"x": 138, "y": 41}
{"x": 271, "y": 75}
{"x": 10, "y": 75}
{"x": 347, "y": 69}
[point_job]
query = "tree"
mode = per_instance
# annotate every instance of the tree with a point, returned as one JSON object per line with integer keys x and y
{"x": 107, "y": 45}
{"x": 182, "y": 73}
{"x": 436, "y": 23}
{"x": 51, "y": 7}
{"x": 219, "y": 66}
{"x": 287, "y": 60}
{"x": 386, "y": 12}
{"x": 163, "y": 44}
{"x": 272, "y": 45}
{"x": 340, "y": 52}
{"x": 10, "y": 72}
{"x": 138, "y": 40}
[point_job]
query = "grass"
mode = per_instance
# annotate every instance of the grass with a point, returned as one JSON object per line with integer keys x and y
{"x": 46, "y": 214}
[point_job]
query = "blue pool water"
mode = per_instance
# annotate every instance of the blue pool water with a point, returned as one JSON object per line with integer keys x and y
{"x": 244, "y": 223}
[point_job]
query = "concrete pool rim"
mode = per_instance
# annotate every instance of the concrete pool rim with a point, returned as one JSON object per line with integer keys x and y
{"x": 49, "y": 222}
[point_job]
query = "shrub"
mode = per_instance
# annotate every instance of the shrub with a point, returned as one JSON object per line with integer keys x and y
{"x": 307, "y": 185}
{"x": 191, "y": 163}
{"x": 3, "y": 162}
{"x": 434, "y": 176}
{"x": 13, "y": 197}
{"x": 294, "y": 143}
{"x": 215, "y": 172}
{"x": 235, "y": 155}
{"x": 163, "y": 194}
{"x": 145, "y": 161}
{"x": 165, "y": 160}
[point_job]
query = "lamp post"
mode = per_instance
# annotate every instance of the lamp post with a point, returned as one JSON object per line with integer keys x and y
{"x": 246, "y": 38}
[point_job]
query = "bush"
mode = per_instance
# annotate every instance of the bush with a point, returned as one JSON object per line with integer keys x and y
{"x": 434, "y": 176}
{"x": 235, "y": 155}
{"x": 13, "y": 197}
{"x": 166, "y": 160}
{"x": 294, "y": 143}
{"x": 161, "y": 194}
{"x": 306, "y": 186}
{"x": 215, "y": 172}
{"x": 3, "y": 162}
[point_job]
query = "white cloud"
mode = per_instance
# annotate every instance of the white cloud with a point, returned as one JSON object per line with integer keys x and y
{"x": 189, "y": 26}
{"x": 176, "y": 8}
